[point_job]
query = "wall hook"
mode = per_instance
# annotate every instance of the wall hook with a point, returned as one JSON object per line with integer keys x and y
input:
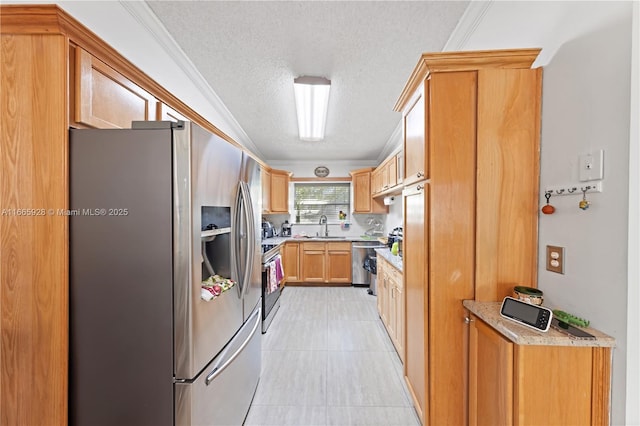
{"x": 572, "y": 190}
{"x": 584, "y": 204}
{"x": 548, "y": 208}
{"x": 559, "y": 191}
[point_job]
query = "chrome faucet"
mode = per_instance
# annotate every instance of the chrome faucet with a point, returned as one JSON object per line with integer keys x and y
{"x": 323, "y": 221}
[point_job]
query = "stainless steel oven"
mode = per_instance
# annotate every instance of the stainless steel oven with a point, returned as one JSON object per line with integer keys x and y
{"x": 272, "y": 276}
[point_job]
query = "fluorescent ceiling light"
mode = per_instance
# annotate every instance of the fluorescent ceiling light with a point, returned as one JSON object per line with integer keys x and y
{"x": 312, "y": 100}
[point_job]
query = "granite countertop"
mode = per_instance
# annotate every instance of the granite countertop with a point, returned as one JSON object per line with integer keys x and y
{"x": 395, "y": 261}
{"x": 332, "y": 238}
{"x": 489, "y": 312}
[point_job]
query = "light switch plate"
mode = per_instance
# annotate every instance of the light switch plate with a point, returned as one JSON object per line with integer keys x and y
{"x": 591, "y": 166}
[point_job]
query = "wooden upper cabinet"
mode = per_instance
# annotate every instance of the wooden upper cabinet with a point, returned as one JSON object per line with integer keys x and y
{"x": 361, "y": 180}
{"x": 385, "y": 179}
{"x": 415, "y": 139}
{"x": 104, "y": 98}
{"x": 392, "y": 173}
{"x": 279, "y": 191}
{"x": 166, "y": 113}
{"x": 363, "y": 201}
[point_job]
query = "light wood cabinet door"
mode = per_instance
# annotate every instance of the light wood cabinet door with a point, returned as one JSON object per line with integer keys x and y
{"x": 416, "y": 286}
{"x": 106, "y": 99}
{"x": 490, "y": 376}
{"x": 400, "y": 319}
{"x": 291, "y": 260}
{"x": 380, "y": 287}
{"x": 391, "y": 303}
{"x": 361, "y": 192}
{"x": 338, "y": 262}
{"x": 512, "y": 384}
{"x": 166, "y": 113}
{"x": 313, "y": 262}
{"x": 383, "y": 292}
{"x": 363, "y": 201}
{"x": 279, "y": 191}
{"x": 392, "y": 172}
{"x": 265, "y": 177}
{"x": 415, "y": 138}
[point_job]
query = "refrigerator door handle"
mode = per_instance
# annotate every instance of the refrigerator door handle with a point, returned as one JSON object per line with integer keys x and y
{"x": 251, "y": 239}
{"x": 237, "y": 239}
{"x": 218, "y": 369}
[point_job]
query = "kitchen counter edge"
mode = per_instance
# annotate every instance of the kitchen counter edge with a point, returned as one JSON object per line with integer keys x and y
{"x": 489, "y": 312}
{"x": 395, "y": 261}
{"x": 346, "y": 239}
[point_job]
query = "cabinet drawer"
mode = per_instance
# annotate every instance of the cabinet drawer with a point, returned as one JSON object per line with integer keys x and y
{"x": 340, "y": 246}
{"x": 395, "y": 275}
{"x": 313, "y": 246}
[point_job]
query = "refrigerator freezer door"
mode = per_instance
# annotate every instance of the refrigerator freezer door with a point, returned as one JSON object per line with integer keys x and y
{"x": 222, "y": 395}
{"x": 120, "y": 302}
{"x": 207, "y": 171}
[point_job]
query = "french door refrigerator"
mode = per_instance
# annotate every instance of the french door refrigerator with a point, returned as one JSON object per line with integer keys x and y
{"x": 156, "y": 212}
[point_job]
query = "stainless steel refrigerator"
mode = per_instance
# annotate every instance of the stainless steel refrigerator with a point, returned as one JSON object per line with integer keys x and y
{"x": 155, "y": 211}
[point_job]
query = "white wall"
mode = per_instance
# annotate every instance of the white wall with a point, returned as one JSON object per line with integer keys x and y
{"x": 337, "y": 169}
{"x": 585, "y": 106}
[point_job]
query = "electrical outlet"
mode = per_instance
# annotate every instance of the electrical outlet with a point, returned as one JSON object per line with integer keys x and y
{"x": 555, "y": 259}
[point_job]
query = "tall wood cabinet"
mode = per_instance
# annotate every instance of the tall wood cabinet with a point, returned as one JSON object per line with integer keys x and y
{"x": 471, "y": 153}
{"x": 54, "y": 74}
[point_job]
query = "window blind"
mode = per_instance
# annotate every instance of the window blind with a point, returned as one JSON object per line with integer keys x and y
{"x": 312, "y": 200}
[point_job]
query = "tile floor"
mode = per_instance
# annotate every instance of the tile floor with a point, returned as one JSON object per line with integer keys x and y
{"x": 327, "y": 360}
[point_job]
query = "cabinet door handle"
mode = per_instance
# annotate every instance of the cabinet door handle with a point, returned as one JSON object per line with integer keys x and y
{"x": 420, "y": 174}
{"x": 468, "y": 320}
{"x": 419, "y": 187}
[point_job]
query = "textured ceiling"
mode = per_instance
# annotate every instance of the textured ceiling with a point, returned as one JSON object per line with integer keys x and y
{"x": 250, "y": 52}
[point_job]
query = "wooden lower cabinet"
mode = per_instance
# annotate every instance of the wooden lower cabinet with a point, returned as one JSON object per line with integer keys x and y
{"x": 313, "y": 262}
{"x": 391, "y": 303}
{"x": 339, "y": 263}
{"x": 325, "y": 262}
{"x": 291, "y": 261}
{"x": 512, "y": 384}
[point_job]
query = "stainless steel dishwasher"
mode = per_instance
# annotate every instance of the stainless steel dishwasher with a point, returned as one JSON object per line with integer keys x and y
{"x": 360, "y": 250}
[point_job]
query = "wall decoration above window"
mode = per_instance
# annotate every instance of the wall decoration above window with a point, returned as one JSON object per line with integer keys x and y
{"x": 321, "y": 171}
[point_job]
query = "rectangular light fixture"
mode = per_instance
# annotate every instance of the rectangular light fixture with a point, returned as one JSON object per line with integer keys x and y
{"x": 312, "y": 100}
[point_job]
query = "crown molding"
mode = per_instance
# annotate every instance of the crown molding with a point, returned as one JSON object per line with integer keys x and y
{"x": 471, "y": 18}
{"x": 392, "y": 144}
{"x": 145, "y": 16}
